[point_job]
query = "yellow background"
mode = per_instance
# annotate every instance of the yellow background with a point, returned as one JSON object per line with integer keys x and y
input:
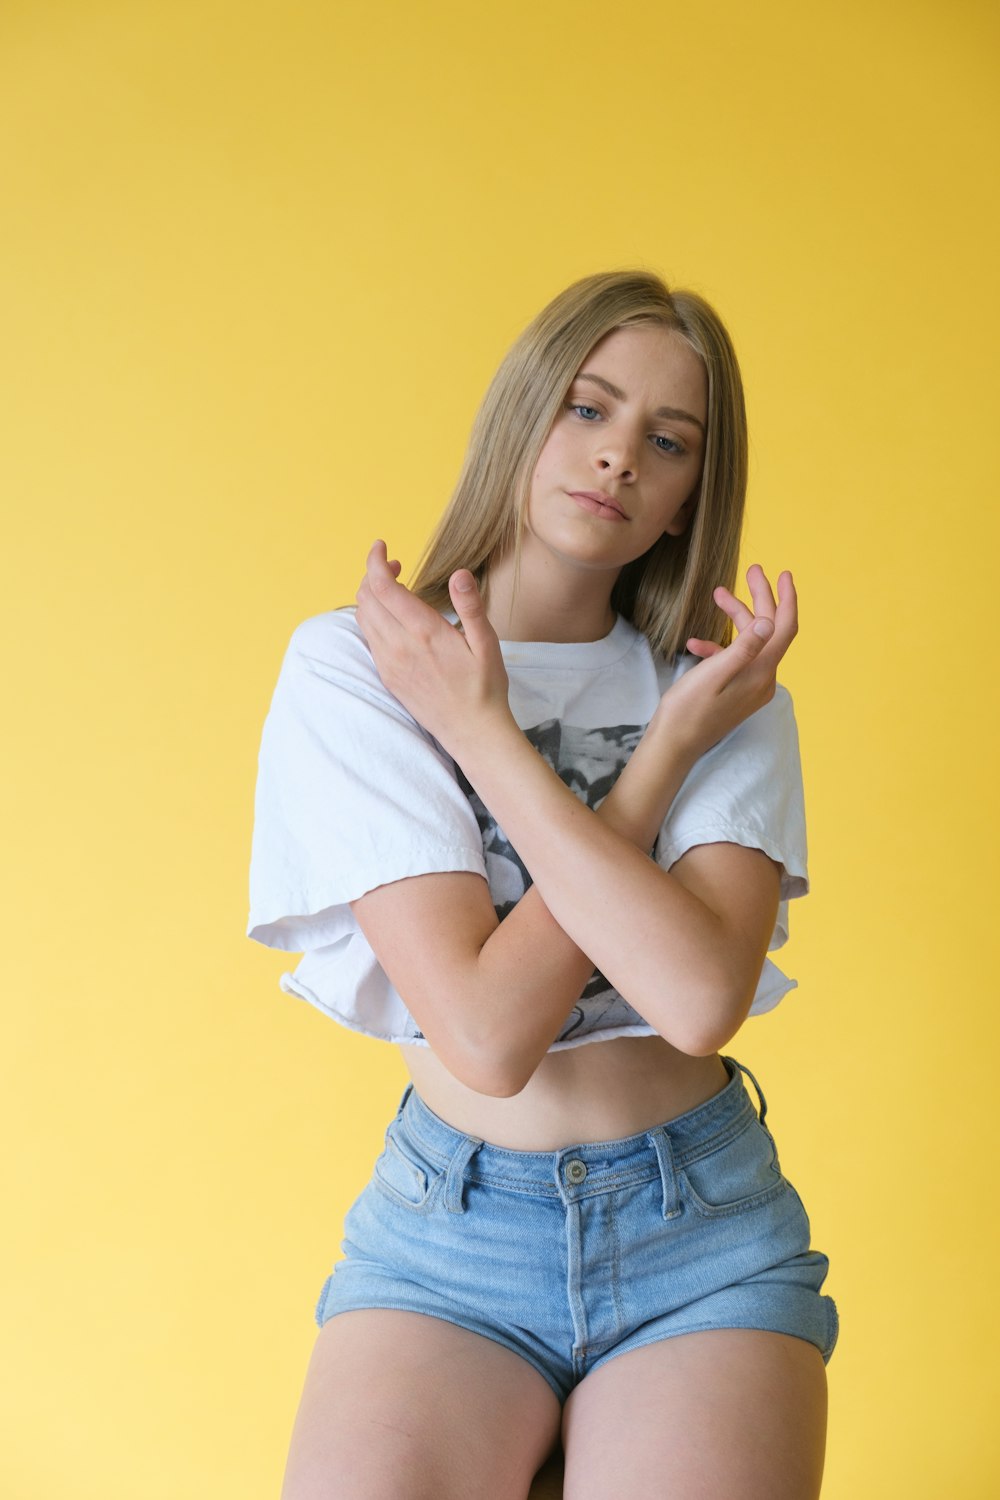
{"x": 259, "y": 261}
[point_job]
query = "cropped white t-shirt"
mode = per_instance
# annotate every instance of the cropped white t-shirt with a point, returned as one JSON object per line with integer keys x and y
{"x": 352, "y": 793}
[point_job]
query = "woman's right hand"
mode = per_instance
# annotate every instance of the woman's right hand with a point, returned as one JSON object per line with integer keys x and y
{"x": 732, "y": 682}
{"x": 452, "y": 681}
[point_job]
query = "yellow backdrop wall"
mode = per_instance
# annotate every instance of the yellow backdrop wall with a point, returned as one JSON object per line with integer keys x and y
{"x": 259, "y": 263}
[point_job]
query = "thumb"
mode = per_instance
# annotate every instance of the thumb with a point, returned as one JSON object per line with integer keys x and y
{"x": 471, "y": 610}
{"x": 750, "y": 642}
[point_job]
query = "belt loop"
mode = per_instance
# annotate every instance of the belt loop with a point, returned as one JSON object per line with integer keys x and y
{"x": 402, "y": 1103}
{"x": 760, "y": 1093}
{"x": 668, "y": 1174}
{"x": 399, "y": 1111}
{"x": 454, "y": 1180}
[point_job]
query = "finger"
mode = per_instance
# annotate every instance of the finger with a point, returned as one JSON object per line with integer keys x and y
{"x": 370, "y": 615}
{"x": 745, "y": 648}
{"x": 733, "y": 607}
{"x": 471, "y": 611}
{"x": 760, "y": 591}
{"x": 380, "y": 569}
{"x": 377, "y": 569}
{"x": 702, "y": 648}
{"x": 379, "y": 623}
{"x": 394, "y": 598}
{"x": 786, "y": 617}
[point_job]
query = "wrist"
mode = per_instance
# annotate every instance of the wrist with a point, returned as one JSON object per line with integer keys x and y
{"x": 641, "y": 797}
{"x": 674, "y": 735}
{"x": 492, "y": 736}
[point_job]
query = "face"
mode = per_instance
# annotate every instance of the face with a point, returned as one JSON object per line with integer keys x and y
{"x": 631, "y": 429}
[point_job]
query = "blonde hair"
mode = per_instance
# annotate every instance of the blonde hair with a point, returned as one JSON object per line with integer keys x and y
{"x": 666, "y": 593}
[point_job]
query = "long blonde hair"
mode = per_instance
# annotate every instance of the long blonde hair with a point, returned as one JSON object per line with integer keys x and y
{"x": 666, "y": 593}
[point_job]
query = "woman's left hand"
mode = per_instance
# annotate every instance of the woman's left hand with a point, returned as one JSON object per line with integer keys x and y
{"x": 733, "y": 682}
{"x": 452, "y": 681}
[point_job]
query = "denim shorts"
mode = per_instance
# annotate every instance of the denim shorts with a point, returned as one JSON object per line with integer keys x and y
{"x": 574, "y": 1256}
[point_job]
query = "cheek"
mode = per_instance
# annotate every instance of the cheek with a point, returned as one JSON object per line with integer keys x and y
{"x": 553, "y": 458}
{"x": 544, "y": 469}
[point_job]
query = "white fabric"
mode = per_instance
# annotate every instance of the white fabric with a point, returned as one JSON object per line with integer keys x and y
{"x": 352, "y": 793}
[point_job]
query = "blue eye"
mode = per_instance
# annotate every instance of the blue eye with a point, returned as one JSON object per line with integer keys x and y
{"x": 591, "y": 414}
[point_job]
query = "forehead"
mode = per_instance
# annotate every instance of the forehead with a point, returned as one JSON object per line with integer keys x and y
{"x": 651, "y": 365}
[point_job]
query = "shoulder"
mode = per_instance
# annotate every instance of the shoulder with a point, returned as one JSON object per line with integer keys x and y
{"x": 330, "y": 636}
{"x": 329, "y": 670}
{"x": 332, "y": 646}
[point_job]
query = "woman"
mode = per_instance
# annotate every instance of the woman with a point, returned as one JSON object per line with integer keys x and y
{"x": 537, "y": 822}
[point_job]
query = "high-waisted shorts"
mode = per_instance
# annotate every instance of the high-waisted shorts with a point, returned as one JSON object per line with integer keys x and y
{"x": 574, "y": 1256}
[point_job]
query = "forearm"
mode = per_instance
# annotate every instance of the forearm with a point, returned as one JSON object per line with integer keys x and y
{"x": 530, "y": 972}
{"x": 599, "y": 891}
{"x": 685, "y": 950}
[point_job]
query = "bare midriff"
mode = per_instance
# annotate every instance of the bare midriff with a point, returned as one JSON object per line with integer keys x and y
{"x": 597, "y": 1091}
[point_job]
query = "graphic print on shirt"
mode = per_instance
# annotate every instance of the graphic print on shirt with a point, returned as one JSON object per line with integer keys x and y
{"x": 589, "y": 761}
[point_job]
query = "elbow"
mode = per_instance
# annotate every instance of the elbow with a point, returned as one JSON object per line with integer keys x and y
{"x": 482, "y": 1057}
{"x": 712, "y": 1019}
{"x": 506, "y": 1087}
{"x": 704, "y": 1045}
{"x": 494, "y": 1084}
{"x": 495, "y": 1076}
{"x": 491, "y": 1061}
{"x": 486, "y": 1071}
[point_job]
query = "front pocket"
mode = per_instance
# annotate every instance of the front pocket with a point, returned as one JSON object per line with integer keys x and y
{"x": 740, "y": 1174}
{"x": 403, "y": 1178}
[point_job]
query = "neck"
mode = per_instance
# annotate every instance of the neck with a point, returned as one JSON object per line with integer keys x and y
{"x": 549, "y": 604}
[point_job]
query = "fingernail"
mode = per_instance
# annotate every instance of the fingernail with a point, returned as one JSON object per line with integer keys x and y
{"x": 763, "y": 627}
{"x": 464, "y": 583}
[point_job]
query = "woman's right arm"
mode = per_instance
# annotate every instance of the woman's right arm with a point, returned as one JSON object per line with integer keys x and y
{"x": 491, "y": 996}
{"x": 685, "y": 949}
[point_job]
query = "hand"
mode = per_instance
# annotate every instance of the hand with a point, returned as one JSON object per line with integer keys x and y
{"x": 733, "y": 681}
{"x": 452, "y": 681}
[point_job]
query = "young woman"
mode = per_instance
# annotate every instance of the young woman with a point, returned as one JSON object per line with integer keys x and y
{"x": 537, "y": 819}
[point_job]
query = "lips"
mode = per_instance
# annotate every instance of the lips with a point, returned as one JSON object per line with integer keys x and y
{"x": 600, "y": 503}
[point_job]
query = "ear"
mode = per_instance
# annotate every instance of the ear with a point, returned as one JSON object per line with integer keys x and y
{"x": 679, "y": 524}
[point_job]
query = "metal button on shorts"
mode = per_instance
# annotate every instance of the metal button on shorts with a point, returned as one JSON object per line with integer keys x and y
{"x": 606, "y": 1245}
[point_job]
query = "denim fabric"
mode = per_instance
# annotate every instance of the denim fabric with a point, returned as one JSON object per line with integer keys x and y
{"x": 575, "y": 1256}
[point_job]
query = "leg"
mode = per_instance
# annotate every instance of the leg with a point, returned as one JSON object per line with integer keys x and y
{"x": 727, "y": 1411}
{"x": 403, "y": 1406}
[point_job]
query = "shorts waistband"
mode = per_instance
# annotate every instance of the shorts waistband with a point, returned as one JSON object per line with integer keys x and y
{"x": 573, "y": 1172}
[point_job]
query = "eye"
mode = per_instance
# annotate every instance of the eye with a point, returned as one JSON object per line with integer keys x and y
{"x": 674, "y": 447}
{"x": 581, "y": 408}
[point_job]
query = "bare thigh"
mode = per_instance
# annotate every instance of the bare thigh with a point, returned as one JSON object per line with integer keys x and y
{"x": 404, "y": 1406}
{"x": 727, "y": 1411}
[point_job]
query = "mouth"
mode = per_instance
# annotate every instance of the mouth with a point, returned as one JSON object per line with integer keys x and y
{"x": 598, "y": 503}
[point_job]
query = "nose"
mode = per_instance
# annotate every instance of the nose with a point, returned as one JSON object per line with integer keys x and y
{"x": 616, "y": 454}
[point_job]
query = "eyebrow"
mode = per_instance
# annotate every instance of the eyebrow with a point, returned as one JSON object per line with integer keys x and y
{"x": 673, "y": 412}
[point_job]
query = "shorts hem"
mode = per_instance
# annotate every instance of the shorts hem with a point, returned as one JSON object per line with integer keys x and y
{"x": 395, "y": 1305}
{"x": 673, "y": 1333}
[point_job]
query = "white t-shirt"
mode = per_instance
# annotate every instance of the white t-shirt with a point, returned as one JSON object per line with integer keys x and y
{"x": 352, "y": 793}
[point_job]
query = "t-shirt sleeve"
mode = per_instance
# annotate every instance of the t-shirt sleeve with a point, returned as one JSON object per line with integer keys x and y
{"x": 748, "y": 790}
{"x": 351, "y": 793}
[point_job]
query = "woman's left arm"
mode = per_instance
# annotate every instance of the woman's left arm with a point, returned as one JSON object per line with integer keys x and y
{"x": 706, "y": 924}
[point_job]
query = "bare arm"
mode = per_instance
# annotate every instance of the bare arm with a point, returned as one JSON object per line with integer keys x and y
{"x": 685, "y": 948}
{"x": 491, "y": 996}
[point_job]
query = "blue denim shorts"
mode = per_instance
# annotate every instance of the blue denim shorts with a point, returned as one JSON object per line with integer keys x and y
{"x": 572, "y": 1257}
